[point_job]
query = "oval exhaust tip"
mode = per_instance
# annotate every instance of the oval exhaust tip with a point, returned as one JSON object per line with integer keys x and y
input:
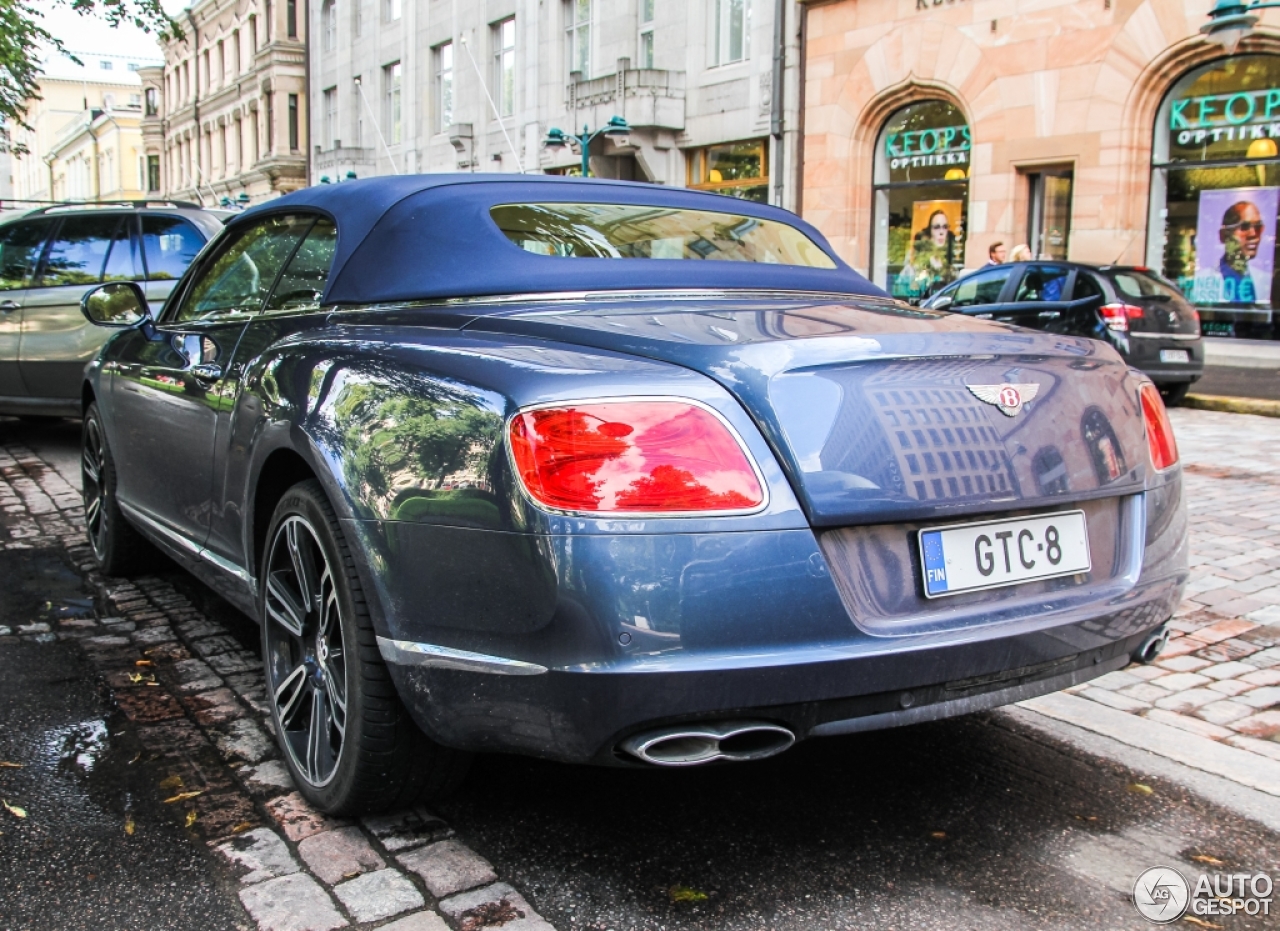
{"x": 696, "y": 744}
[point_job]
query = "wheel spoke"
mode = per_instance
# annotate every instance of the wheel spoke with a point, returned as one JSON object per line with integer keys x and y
{"x": 317, "y": 736}
{"x": 289, "y": 695}
{"x": 303, "y": 564}
{"x": 283, "y": 607}
{"x": 90, "y": 466}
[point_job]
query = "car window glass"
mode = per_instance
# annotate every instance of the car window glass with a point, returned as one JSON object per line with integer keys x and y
{"x": 1042, "y": 283}
{"x": 1086, "y": 286}
{"x": 20, "y": 246}
{"x": 1135, "y": 283}
{"x": 122, "y": 260}
{"x": 982, "y": 287}
{"x": 79, "y": 250}
{"x": 169, "y": 244}
{"x": 304, "y": 277}
{"x": 240, "y": 276}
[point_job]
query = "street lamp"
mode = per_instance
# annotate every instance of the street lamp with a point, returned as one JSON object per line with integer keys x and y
{"x": 1232, "y": 20}
{"x": 616, "y": 128}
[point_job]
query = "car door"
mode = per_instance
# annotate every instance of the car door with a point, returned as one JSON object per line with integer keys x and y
{"x": 294, "y": 305}
{"x": 976, "y": 294}
{"x": 21, "y": 245}
{"x": 1040, "y": 300}
{"x": 57, "y": 340}
{"x": 168, "y": 388}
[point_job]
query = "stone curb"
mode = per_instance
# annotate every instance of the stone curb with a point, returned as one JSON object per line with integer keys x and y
{"x": 1214, "y": 402}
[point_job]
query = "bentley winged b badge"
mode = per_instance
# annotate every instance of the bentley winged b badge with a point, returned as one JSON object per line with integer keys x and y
{"x": 1008, "y": 398}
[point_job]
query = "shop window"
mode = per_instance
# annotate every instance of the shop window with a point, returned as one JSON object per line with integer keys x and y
{"x": 739, "y": 169}
{"x": 1215, "y": 191}
{"x": 921, "y": 200}
{"x": 1049, "y": 212}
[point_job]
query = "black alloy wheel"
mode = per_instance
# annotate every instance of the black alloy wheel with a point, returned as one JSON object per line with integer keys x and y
{"x": 119, "y": 549}
{"x": 347, "y": 739}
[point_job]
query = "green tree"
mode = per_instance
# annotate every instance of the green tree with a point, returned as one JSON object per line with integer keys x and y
{"x": 23, "y": 37}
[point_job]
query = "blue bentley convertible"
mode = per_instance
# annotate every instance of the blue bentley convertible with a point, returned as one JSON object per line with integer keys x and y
{"x": 612, "y": 473}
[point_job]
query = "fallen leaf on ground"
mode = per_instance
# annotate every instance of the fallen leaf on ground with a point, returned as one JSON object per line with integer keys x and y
{"x": 192, "y": 816}
{"x": 1193, "y": 920}
{"x": 1204, "y": 858}
{"x": 5, "y": 765}
{"x": 1139, "y": 789}
{"x": 14, "y": 809}
{"x": 183, "y": 796}
{"x": 128, "y": 827}
{"x": 938, "y": 835}
{"x": 171, "y": 782}
{"x": 143, "y": 662}
{"x": 685, "y": 894}
{"x": 242, "y": 827}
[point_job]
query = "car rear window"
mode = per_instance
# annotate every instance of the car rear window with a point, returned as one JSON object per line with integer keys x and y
{"x": 1136, "y": 283}
{"x": 629, "y": 231}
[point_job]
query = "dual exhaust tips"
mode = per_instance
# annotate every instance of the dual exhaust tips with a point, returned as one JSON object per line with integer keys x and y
{"x": 696, "y": 744}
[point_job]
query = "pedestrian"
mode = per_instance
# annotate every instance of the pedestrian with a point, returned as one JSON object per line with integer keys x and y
{"x": 995, "y": 254}
{"x": 1020, "y": 253}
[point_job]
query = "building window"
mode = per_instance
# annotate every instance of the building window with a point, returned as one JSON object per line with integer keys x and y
{"x": 739, "y": 169}
{"x": 271, "y": 122}
{"x": 153, "y": 173}
{"x": 732, "y": 31}
{"x": 444, "y": 86}
{"x": 253, "y": 35}
{"x": 504, "y": 65}
{"x": 266, "y": 21}
{"x": 329, "y": 24}
{"x": 151, "y": 102}
{"x": 391, "y": 100}
{"x": 293, "y": 123}
{"x": 235, "y": 51}
{"x": 291, "y": 18}
{"x": 106, "y": 65}
{"x": 1215, "y": 195}
{"x": 391, "y": 10}
{"x": 330, "y": 117}
{"x": 134, "y": 66}
{"x": 645, "y": 58}
{"x": 921, "y": 199}
{"x": 577, "y": 17}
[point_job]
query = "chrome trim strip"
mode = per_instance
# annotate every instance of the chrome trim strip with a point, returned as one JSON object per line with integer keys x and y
{"x": 411, "y": 653}
{"x": 178, "y": 540}
{"x": 577, "y": 297}
{"x": 1186, "y": 336}
{"x": 230, "y": 568}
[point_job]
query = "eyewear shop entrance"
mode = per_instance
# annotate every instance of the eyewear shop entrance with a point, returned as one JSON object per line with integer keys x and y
{"x": 1215, "y": 193}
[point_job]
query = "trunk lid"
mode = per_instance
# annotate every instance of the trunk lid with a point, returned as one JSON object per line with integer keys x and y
{"x": 881, "y": 412}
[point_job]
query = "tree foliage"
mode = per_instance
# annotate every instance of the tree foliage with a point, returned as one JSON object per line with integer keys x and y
{"x": 23, "y": 39}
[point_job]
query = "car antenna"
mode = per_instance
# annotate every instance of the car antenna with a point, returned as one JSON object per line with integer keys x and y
{"x": 496, "y": 115}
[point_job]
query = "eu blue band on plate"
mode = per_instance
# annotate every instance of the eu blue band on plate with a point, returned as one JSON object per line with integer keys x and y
{"x": 935, "y": 569}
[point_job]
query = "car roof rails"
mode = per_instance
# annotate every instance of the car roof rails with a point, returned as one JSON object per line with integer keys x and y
{"x": 118, "y": 205}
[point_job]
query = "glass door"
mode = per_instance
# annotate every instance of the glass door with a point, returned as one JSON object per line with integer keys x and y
{"x": 1049, "y": 213}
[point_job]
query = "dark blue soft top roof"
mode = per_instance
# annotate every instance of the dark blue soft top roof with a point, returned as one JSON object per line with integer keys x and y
{"x": 430, "y": 236}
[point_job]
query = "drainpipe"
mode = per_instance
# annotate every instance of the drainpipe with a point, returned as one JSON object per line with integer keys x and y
{"x": 776, "y": 114}
{"x": 306, "y": 83}
{"x": 804, "y": 52}
{"x": 195, "y": 96}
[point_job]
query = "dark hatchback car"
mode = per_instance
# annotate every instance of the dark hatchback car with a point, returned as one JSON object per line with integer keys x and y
{"x": 50, "y": 257}
{"x": 614, "y": 473}
{"x": 1142, "y": 315}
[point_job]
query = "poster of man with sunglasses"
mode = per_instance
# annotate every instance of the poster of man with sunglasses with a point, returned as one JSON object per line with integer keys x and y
{"x": 1235, "y": 246}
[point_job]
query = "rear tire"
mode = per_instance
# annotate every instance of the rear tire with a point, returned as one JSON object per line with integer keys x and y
{"x": 1175, "y": 395}
{"x": 119, "y": 549}
{"x": 347, "y": 739}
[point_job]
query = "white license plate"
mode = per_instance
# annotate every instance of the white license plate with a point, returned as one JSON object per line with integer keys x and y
{"x": 1180, "y": 356}
{"x": 1003, "y": 552}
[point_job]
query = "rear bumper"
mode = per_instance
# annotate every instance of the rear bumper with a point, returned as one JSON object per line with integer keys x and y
{"x": 1144, "y": 354}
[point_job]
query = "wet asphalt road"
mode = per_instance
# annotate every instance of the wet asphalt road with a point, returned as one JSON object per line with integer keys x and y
{"x": 977, "y": 823}
{"x": 70, "y": 864}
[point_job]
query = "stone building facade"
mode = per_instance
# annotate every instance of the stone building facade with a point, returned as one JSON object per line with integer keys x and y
{"x": 428, "y": 85}
{"x": 227, "y": 115}
{"x": 1105, "y": 131}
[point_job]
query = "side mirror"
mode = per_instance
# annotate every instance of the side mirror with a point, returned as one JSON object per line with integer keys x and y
{"x": 119, "y": 305}
{"x": 941, "y": 302}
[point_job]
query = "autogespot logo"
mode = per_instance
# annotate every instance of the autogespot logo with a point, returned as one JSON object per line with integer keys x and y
{"x": 1161, "y": 895}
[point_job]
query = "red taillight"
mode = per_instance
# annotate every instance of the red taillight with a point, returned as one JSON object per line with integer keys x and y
{"x": 1164, "y": 450}
{"x": 1117, "y": 316}
{"x": 632, "y": 456}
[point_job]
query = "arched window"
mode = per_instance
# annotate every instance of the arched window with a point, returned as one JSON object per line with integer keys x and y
{"x": 921, "y": 199}
{"x": 1215, "y": 190}
{"x": 329, "y": 24}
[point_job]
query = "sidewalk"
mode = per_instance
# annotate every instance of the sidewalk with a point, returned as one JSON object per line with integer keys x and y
{"x": 1212, "y": 699}
{"x": 1242, "y": 353}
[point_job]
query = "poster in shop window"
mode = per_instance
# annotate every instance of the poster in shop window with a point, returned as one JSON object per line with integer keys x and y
{"x": 1235, "y": 246}
{"x": 936, "y": 247}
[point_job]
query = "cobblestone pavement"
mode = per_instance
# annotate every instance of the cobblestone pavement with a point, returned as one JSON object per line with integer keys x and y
{"x": 1218, "y": 680}
{"x": 196, "y": 699}
{"x": 979, "y": 818}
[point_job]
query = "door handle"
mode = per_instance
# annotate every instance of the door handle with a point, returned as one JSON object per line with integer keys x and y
{"x": 207, "y": 371}
{"x": 8, "y": 307}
